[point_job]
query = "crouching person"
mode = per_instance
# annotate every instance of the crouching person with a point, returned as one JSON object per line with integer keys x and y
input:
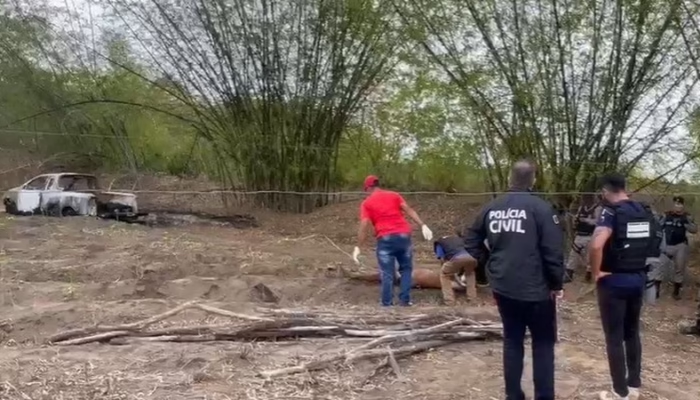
{"x": 455, "y": 261}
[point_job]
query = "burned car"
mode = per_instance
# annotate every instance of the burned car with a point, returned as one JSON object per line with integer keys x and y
{"x": 68, "y": 194}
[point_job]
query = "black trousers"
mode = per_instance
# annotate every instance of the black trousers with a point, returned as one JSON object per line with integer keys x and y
{"x": 620, "y": 309}
{"x": 480, "y": 272}
{"x": 540, "y": 318}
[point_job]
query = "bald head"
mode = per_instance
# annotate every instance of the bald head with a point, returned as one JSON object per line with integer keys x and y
{"x": 522, "y": 175}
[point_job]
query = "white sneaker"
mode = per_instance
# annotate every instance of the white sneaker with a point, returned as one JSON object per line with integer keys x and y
{"x": 634, "y": 393}
{"x": 611, "y": 395}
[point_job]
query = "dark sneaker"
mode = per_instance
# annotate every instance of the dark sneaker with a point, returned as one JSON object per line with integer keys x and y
{"x": 409, "y": 304}
{"x": 677, "y": 291}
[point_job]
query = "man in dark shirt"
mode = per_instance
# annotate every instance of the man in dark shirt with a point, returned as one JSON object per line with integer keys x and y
{"x": 676, "y": 223}
{"x": 526, "y": 273}
{"x": 584, "y": 224}
{"x": 621, "y": 244}
{"x": 456, "y": 264}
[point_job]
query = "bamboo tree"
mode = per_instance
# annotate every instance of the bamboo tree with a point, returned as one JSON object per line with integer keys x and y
{"x": 273, "y": 84}
{"x": 582, "y": 86}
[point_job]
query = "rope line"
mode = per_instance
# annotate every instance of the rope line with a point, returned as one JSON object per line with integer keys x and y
{"x": 358, "y": 193}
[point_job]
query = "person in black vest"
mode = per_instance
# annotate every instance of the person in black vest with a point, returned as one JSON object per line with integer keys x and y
{"x": 526, "y": 273}
{"x": 654, "y": 267}
{"x": 621, "y": 243}
{"x": 584, "y": 224}
{"x": 456, "y": 263}
{"x": 676, "y": 223}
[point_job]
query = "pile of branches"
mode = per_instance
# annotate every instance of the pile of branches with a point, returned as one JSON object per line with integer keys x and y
{"x": 387, "y": 336}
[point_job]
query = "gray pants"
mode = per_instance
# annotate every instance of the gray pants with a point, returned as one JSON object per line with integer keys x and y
{"x": 654, "y": 274}
{"x": 578, "y": 256}
{"x": 674, "y": 262}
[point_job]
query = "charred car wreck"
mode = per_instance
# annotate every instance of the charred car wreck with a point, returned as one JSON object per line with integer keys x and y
{"x": 68, "y": 194}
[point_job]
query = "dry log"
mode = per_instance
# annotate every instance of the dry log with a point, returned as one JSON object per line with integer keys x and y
{"x": 389, "y": 337}
{"x": 188, "y": 330}
{"x": 140, "y": 325}
{"x": 395, "y": 329}
{"x": 166, "y": 338}
{"x": 330, "y": 360}
{"x": 59, "y": 337}
{"x": 227, "y": 313}
{"x": 394, "y": 364}
{"x": 309, "y": 366}
{"x": 93, "y": 338}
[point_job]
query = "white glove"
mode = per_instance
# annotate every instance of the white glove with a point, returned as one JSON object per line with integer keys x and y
{"x": 355, "y": 254}
{"x": 427, "y": 233}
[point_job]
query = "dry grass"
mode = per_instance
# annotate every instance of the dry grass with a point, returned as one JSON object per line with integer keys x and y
{"x": 62, "y": 274}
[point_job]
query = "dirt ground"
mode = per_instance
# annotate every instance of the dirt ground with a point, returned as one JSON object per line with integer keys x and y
{"x": 58, "y": 274}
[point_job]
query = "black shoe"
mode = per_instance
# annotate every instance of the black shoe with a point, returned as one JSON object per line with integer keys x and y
{"x": 589, "y": 276}
{"x": 568, "y": 276}
{"x": 677, "y": 291}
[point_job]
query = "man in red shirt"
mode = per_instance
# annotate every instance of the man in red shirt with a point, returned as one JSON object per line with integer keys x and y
{"x": 384, "y": 210}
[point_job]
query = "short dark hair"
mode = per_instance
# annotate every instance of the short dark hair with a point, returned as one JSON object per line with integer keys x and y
{"x": 522, "y": 174}
{"x": 614, "y": 182}
{"x": 678, "y": 199}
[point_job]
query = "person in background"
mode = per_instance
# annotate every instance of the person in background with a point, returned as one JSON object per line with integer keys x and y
{"x": 654, "y": 268}
{"x": 526, "y": 273}
{"x": 456, "y": 263}
{"x": 383, "y": 209}
{"x": 482, "y": 279}
{"x": 584, "y": 224}
{"x": 618, "y": 256}
{"x": 676, "y": 223}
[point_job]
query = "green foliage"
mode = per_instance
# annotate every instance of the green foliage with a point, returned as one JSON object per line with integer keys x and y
{"x": 314, "y": 95}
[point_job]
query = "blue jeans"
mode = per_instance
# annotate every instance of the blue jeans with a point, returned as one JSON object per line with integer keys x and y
{"x": 540, "y": 318}
{"x": 390, "y": 250}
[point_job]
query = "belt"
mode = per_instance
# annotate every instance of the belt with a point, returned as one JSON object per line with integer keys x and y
{"x": 395, "y": 235}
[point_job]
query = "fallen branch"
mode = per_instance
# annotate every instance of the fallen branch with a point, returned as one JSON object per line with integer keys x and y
{"x": 227, "y": 313}
{"x": 399, "y": 333}
{"x": 94, "y": 338}
{"x": 140, "y": 325}
{"x": 394, "y": 364}
{"x": 63, "y": 336}
{"x": 330, "y": 360}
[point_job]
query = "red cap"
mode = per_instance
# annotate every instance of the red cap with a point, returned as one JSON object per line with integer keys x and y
{"x": 370, "y": 181}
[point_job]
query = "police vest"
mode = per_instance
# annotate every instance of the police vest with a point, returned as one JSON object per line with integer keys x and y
{"x": 451, "y": 245}
{"x": 629, "y": 245}
{"x": 674, "y": 228}
{"x": 582, "y": 228}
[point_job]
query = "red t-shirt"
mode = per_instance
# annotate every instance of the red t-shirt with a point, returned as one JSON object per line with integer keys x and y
{"x": 383, "y": 209}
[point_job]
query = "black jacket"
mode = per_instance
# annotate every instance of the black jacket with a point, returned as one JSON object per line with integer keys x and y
{"x": 526, "y": 241}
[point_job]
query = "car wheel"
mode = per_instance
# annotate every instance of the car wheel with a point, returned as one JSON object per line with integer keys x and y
{"x": 10, "y": 208}
{"x": 52, "y": 211}
{"x": 92, "y": 208}
{"x": 68, "y": 212}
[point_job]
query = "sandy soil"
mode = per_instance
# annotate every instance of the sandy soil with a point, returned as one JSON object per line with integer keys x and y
{"x": 58, "y": 274}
